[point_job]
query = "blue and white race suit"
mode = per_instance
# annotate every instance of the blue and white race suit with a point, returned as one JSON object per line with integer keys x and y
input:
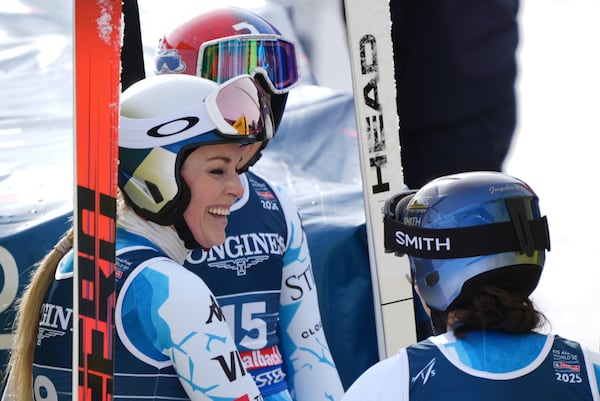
{"x": 172, "y": 340}
{"x": 486, "y": 365}
{"x": 262, "y": 277}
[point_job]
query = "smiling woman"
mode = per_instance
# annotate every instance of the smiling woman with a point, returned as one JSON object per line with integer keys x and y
{"x": 177, "y": 182}
{"x": 214, "y": 185}
{"x": 156, "y": 139}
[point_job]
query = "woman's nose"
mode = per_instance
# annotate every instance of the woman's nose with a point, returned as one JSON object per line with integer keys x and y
{"x": 235, "y": 186}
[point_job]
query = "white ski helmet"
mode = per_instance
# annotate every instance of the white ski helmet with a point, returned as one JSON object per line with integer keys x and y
{"x": 164, "y": 118}
{"x": 466, "y": 230}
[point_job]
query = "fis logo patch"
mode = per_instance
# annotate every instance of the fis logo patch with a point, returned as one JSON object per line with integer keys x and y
{"x": 425, "y": 373}
{"x": 564, "y": 361}
{"x": 567, "y": 367}
{"x": 267, "y": 198}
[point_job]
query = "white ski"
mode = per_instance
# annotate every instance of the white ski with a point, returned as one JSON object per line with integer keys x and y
{"x": 372, "y": 63}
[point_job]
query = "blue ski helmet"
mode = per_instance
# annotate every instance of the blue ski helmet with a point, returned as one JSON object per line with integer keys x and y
{"x": 165, "y": 118}
{"x": 466, "y": 230}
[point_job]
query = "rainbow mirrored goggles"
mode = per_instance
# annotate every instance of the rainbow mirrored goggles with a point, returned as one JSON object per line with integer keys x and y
{"x": 238, "y": 109}
{"x": 271, "y": 55}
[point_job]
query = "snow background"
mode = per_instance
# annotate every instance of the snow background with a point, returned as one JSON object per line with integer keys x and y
{"x": 553, "y": 149}
{"x": 555, "y": 152}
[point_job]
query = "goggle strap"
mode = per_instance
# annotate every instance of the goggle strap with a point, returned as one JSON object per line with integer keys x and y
{"x": 391, "y": 203}
{"x": 461, "y": 242}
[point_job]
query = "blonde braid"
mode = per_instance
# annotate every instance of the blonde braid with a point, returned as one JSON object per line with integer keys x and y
{"x": 20, "y": 365}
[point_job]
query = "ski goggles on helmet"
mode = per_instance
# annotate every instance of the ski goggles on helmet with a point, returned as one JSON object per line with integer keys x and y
{"x": 522, "y": 233}
{"x": 272, "y": 55}
{"x": 239, "y": 109}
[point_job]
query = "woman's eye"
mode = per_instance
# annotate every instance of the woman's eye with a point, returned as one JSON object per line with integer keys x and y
{"x": 217, "y": 171}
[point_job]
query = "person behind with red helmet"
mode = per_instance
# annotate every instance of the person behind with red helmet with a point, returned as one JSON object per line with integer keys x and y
{"x": 262, "y": 274}
{"x": 226, "y": 42}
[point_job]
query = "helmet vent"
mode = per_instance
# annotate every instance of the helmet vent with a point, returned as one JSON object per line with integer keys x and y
{"x": 154, "y": 191}
{"x": 432, "y": 279}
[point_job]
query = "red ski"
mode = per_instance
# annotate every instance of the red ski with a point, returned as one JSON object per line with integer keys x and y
{"x": 97, "y": 43}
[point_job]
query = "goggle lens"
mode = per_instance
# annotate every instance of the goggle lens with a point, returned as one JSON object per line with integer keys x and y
{"x": 226, "y": 58}
{"x": 246, "y": 107}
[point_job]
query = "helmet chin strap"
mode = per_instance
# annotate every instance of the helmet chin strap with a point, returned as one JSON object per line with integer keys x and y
{"x": 439, "y": 321}
{"x": 253, "y": 159}
{"x": 185, "y": 234}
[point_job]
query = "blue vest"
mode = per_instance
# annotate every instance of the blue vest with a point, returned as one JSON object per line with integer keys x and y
{"x": 134, "y": 377}
{"x": 562, "y": 375}
{"x": 53, "y": 354}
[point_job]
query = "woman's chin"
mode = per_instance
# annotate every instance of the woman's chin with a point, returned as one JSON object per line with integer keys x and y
{"x": 217, "y": 237}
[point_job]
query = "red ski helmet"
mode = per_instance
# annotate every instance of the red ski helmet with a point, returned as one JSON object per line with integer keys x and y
{"x": 225, "y": 42}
